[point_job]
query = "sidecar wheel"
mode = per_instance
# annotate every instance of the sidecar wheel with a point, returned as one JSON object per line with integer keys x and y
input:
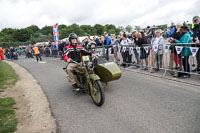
{"x": 97, "y": 93}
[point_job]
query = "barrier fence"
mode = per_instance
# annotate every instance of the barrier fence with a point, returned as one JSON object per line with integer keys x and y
{"x": 173, "y": 58}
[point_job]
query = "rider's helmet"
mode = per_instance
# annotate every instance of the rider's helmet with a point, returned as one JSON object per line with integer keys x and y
{"x": 72, "y": 36}
{"x": 91, "y": 44}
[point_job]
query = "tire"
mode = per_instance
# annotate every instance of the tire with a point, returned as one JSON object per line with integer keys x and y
{"x": 99, "y": 91}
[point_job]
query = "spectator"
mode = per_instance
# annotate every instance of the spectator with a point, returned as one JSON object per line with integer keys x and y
{"x": 85, "y": 41}
{"x": 143, "y": 55}
{"x": 107, "y": 43}
{"x": 150, "y": 34}
{"x": 102, "y": 40}
{"x": 97, "y": 41}
{"x": 196, "y": 38}
{"x": 186, "y": 38}
{"x": 172, "y": 30}
{"x": 133, "y": 36}
{"x": 174, "y": 56}
{"x": 66, "y": 43}
{"x": 1, "y": 54}
{"x": 158, "y": 55}
{"x": 125, "y": 51}
{"x": 120, "y": 36}
{"x": 61, "y": 46}
{"x": 89, "y": 39}
{"x": 115, "y": 44}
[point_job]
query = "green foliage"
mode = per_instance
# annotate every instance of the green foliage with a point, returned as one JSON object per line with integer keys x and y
{"x": 99, "y": 29}
{"x": 138, "y": 28}
{"x": 7, "y": 75}
{"x": 33, "y": 34}
{"x": 8, "y": 120}
{"x": 128, "y": 28}
{"x": 46, "y": 30}
{"x": 121, "y": 28}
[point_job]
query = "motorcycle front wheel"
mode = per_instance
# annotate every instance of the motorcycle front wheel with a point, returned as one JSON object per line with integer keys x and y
{"x": 97, "y": 93}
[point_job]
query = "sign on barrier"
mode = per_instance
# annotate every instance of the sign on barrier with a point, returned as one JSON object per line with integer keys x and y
{"x": 194, "y": 50}
{"x": 166, "y": 48}
{"x": 179, "y": 49}
{"x": 99, "y": 52}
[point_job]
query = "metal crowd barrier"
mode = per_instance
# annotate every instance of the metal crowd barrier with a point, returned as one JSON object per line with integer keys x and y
{"x": 152, "y": 58}
{"x": 169, "y": 57}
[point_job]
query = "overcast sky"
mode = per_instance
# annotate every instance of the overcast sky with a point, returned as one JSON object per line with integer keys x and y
{"x": 23, "y": 13}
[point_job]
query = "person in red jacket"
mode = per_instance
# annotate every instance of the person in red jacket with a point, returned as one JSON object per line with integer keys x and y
{"x": 74, "y": 52}
{"x": 1, "y": 54}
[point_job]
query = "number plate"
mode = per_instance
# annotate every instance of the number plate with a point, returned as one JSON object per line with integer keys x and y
{"x": 85, "y": 58}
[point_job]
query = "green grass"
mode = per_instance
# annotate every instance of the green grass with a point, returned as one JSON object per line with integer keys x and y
{"x": 7, "y": 75}
{"x": 8, "y": 120}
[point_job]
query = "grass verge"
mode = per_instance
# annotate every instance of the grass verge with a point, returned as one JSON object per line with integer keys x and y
{"x": 8, "y": 120}
{"x": 7, "y": 76}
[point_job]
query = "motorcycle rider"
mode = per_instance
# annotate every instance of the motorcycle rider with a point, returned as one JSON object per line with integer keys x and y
{"x": 74, "y": 52}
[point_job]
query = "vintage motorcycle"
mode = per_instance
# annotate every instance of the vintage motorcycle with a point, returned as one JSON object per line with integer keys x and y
{"x": 92, "y": 77}
{"x": 88, "y": 81}
{"x": 29, "y": 54}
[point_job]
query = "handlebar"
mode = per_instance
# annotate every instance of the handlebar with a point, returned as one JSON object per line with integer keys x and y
{"x": 72, "y": 61}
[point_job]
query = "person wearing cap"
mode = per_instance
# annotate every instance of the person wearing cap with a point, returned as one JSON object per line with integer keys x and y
{"x": 107, "y": 43}
{"x": 196, "y": 38}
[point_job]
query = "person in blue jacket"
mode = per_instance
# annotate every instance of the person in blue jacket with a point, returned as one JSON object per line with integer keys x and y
{"x": 107, "y": 43}
{"x": 172, "y": 30}
{"x": 186, "y": 38}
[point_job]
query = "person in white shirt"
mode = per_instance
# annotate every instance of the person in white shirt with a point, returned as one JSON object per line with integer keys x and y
{"x": 157, "y": 47}
{"x": 125, "y": 51}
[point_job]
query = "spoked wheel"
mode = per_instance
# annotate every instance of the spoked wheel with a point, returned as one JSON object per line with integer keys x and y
{"x": 97, "y": 93}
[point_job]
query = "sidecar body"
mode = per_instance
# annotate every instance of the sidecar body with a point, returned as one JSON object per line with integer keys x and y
{"x": 108, "y": 71}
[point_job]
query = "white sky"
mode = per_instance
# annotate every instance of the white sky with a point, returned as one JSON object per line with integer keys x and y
{"x": 23, "y": 13}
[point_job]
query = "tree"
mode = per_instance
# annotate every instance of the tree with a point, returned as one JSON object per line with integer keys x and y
{"x": 128, "y": 28}
{"x": 64, "y": 33}
{"x": 6, "y": 35}
{"x": 99, "y": 29}
{"x": 138, "y": 28}
{"x": 74, "y": 28}
{"x": 121, "y": 28}
{"x": 110, "y": 28}
{"x": 87, "y": 29}
{"x": 62, "y": 26}
{"x": 39, "y": 37}
{"x": 46, "y": 30}
{"x": 32, "y": 29}
{"x": 21, "y": 35}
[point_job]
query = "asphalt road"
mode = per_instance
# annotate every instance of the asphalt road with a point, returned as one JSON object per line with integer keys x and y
{"x": 134, "y": 104}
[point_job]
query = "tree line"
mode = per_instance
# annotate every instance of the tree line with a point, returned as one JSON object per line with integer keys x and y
{"x": 33, "y": 34}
